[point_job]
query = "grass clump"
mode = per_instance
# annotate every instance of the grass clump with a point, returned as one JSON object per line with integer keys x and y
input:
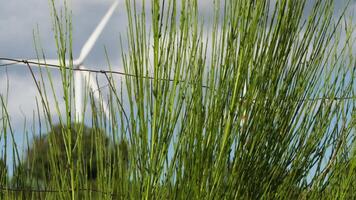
{"x": 259, "y": 106}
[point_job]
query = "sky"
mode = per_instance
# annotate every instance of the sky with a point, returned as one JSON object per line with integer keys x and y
{"x": 18, "y": 20}
{"x": 22, "y": 17}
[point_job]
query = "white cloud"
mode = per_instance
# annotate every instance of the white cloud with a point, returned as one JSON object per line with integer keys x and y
{"x": 19, "y": 17}
{"x": 23, "y": 94}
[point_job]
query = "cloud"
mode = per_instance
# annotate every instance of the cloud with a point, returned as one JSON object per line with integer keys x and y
{"x": 18, "y": 18}
{"x": 21, "y": 99}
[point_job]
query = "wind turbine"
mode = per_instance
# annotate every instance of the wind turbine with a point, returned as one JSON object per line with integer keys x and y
{"x": 79, "y": 64}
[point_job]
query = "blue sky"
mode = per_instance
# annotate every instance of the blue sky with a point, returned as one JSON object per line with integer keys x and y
{"x": 17, "y": 42}
{"x": 18, "y": 19}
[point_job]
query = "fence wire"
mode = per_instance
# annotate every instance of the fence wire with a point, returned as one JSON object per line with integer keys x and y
{"x": 105, "y": 72}
{"x": 6, "y": 190}
{"x": 31, "y": 190}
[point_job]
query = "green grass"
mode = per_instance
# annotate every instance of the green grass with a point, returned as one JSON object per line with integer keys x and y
{"x": 192, "y": 132}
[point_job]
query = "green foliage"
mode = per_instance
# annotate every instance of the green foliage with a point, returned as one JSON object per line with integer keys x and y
{"x": 47, "y": 155}
{"x": 3, "y": 173}
{"x": 260, "y": 106}
{"x": 3, "y": 176}
{"x": 39, "y": 156}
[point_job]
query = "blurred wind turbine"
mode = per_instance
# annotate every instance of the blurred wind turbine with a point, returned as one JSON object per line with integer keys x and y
{"x": 243, "y": 98}
{"x": 78, "y": 64}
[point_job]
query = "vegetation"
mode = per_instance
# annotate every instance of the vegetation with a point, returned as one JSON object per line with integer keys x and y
{"x": 259, "y": 103}
{"x": 38, "y": 157}
{"x": 97, "y": 152}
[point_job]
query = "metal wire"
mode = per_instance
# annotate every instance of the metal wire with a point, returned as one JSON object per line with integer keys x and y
{"x": 8, "y": 189}
{"x": 58, "y": 67}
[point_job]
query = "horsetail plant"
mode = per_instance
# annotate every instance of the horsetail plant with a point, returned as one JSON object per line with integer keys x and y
{"x": 255, "y": 100}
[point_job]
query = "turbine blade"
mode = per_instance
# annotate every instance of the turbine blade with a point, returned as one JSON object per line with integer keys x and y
{"x": 32, "y": 62}
{"x": 93, "y": 86}
{"x": 78, "y": 96}
{"x": 244, "y": 114}
{"x": 47, "y": 61}
{"x": 245, "y": 90}
{"x": 8, "y": 63}
{"x": 94, "y": 36}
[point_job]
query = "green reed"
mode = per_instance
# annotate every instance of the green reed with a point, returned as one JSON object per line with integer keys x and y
{"x": 256, "y": 102}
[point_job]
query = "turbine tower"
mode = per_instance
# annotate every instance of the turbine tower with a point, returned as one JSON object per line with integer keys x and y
{"x": 79, "y": 64}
